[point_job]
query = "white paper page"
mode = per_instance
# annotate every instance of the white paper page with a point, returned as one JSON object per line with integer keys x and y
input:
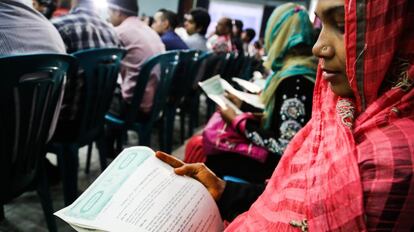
{"x": 252, "y": 99}
{"x": 215, "y": 88}
{"x": 247, "y": 85}
{"x": 152, "y": 198}
{"x": 223, "y": 102}
{"x": 212, "y": 86}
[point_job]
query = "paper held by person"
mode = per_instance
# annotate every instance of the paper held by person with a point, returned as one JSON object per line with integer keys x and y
{"x": 139, "y": 192}
{"x": 216, "y": 87}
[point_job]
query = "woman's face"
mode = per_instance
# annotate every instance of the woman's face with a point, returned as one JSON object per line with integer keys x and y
{"x": 330, "y": 47}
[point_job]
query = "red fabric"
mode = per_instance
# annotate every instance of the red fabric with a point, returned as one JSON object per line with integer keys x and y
{"x": 346, "y": 175}
{"x": 60, "y": 12}
{"x": 220, "y": 137}
{"x": 194, "y": 150}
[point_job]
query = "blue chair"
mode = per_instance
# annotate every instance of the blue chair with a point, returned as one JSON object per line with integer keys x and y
{"x": 98, "y": 70}
{"x": 235, "y": 179}
{"x": 31, "y": 88}
{"x": 164, "y": 66}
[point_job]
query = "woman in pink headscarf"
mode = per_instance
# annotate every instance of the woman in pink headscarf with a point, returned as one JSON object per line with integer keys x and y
{"x": 351, "y": 167}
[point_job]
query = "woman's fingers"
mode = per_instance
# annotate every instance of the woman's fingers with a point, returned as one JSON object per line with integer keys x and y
{"x": 205, "y": 176}
{"x": 187, "y": 170}
{"x": 171, "y": 160}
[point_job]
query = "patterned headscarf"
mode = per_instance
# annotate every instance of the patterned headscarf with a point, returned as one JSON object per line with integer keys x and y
{"x": 288, "y": 27}
{"x": 351, "y": 167}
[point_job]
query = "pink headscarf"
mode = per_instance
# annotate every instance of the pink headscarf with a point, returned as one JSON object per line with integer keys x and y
{"x": 353, "y": 161}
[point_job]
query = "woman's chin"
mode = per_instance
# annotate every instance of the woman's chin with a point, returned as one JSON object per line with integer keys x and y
{"x": 341, "y": 91}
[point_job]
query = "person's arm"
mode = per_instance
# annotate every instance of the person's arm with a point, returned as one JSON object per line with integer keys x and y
{"x": 237, "y": 198}
{"x": 291, "y": 111}
{"x": 246, "y": 107}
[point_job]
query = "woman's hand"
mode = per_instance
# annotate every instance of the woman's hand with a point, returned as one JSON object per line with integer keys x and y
{"x": 233, "y": 98}
{"x": 198, "y": 171}
{"x": 228, "y": 114}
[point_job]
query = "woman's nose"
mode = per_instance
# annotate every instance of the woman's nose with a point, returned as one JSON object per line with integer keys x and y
{"x": 322, "y": 48}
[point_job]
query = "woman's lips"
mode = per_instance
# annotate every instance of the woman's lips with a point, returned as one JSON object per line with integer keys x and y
{"x": 329, "y": 75}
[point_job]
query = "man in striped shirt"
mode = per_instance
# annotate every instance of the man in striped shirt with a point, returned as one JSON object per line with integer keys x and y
{"x": 82, "y": 28}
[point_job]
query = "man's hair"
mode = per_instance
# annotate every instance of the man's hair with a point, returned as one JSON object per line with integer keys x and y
{"x": 250, "y": 33}
{"x": 201, "y": 18}
{"x": 238, "y": 24}
{"x": 170, "y": 16}
{"x": 128, "y": 14}
{"x": 127, "y": 7}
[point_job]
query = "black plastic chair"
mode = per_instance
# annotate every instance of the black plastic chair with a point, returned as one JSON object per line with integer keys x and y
{"x": 30, "y": 95}
{"x": 182, "y": 85}
{"x": 99, "y": 70}
{"x": 190, "y": 106}
{"x": 163, "y": 66}
{"x": 217, "y": 64}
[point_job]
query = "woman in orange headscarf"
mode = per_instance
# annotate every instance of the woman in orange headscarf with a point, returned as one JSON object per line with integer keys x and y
{"x": 351, "y": 167}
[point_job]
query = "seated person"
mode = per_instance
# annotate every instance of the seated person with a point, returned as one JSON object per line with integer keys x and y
{"x": 220, "y": 42}
{"x": 81, "y": 29}
{"x": 247, "y": 37}
{"x": 164, "y": 24}
{"x": 196, "y": 24}
{"x": 351, "y": 167}
{"x": 123, "y": 15}
{"x": 287, "y": 98}
{"x": 23, "y": 30}
{"x": 236, "y": 35}
{"x": 45, "y": 7}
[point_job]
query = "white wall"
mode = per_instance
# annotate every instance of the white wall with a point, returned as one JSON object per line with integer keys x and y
{"x": 149, "y": 7}
{"x": 249, "y": 13}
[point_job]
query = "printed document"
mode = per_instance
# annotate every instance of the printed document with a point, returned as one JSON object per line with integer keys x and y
{"x": 247, "y": 85}
{"x": 138, "y": 192}
{"x": 216, "y": 87}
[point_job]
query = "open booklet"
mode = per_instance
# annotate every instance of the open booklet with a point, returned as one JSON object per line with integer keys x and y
{"x": 247, "y": 85}
{"x": 138, "y": 192}
{"x": 215, "y": 88}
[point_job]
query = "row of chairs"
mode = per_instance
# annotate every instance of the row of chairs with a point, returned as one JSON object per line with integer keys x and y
{"x": 31, "y": 94}
{"x": 32, "y": 89}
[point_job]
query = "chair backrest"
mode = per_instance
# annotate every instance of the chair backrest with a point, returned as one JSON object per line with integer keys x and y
{"x": 228, "y": 66}
{"x": 238, "y": 65}
{"x": 246, "y": 72}
{"x": 185, "y": 75}
{"x": 214, "y": 65}
{"x": 31, "y": 89}
{"x": 99, "y": 69}
{"x": 164, "y": 67}
{"x": 200, "y": 68}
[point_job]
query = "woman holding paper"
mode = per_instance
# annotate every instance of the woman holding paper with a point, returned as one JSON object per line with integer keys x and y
{"x": 287, "y": 98}
{"x": 351, "y": 168}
